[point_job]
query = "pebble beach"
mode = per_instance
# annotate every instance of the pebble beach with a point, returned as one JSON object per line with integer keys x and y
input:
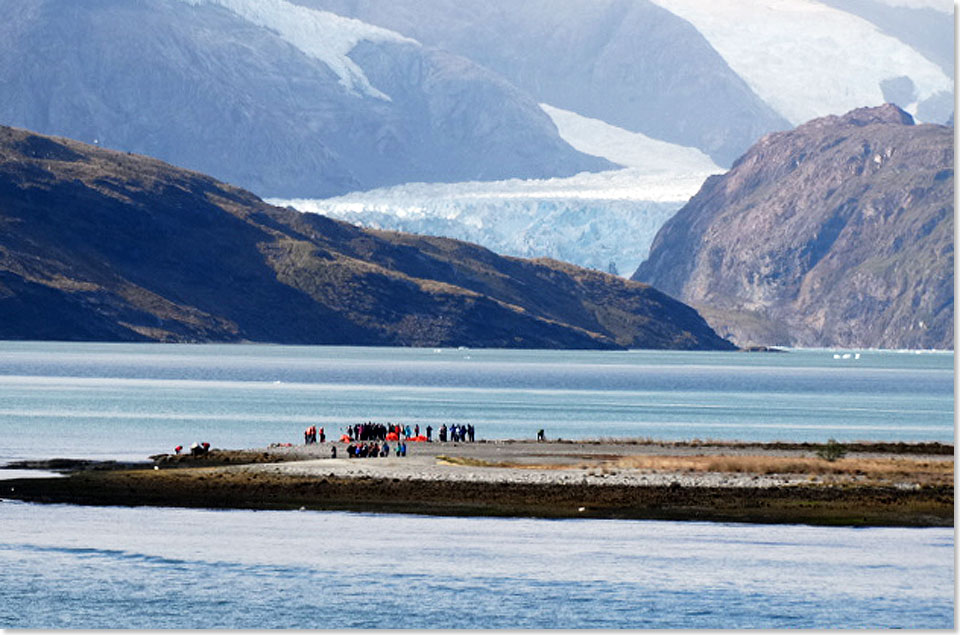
{"x": 882, "y": 485}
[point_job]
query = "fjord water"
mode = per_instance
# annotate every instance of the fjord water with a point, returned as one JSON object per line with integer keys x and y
{"x": 132, "y": 400}
{"x": 94, "y": 567}
{"x": 66, "y": 566}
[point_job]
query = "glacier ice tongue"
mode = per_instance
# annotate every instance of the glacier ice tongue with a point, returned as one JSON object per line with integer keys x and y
{"x": 320, "y": 34}
{"x": 593, "y": 220}
{"x": 604, "y": 220}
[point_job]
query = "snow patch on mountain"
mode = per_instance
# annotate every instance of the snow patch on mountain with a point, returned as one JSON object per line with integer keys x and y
{"x": 322, "y": 35}
{"x": 631, "y": 149}
{"x": 630, "y": 184}
{"x": 943, "y": 6}
{"x": 808, "y": 60}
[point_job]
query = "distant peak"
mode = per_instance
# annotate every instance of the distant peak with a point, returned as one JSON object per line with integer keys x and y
{"x": 887, "y": 113}
{"x": 890, "y": 114}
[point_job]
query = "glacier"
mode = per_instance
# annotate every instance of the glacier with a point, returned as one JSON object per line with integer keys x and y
{"x": 604, "y": 220}
{"x": 803, "y": 58}
{"x": 632, "y": 149}
{"x": 943, "y": 6}
{"x": 322, "y": 35}
{"x": 808, "y": 60}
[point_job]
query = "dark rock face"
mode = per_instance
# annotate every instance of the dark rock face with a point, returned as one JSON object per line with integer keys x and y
{"x": 103, "y": 245}
{"x": 630, "y": 63}
{"x": 838, "y": 233}
{"x": 205, "y": 89}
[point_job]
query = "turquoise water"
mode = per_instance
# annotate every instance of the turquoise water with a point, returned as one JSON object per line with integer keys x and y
{"x": 95, "y": 567}
{"x": 130, "y": 401}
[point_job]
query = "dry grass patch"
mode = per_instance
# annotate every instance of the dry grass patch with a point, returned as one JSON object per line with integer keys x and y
{"x": 930, "y": 472}
{"x": 861, "y": 470}
{"x": 472, "y": 462}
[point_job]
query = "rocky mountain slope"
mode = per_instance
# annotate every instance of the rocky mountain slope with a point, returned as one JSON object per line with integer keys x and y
{"x": 104, "y": 245}
{"x": 270, "y": 96}
{"x": 629, "y": 63}
{"x": 676, "y": 77}
{"x": 315, "y": 98}
{"x": 711, "y": 75}
{"x": 837, "y": 233}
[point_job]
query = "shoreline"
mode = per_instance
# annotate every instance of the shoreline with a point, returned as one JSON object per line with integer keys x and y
{"x": 589, "y": 479}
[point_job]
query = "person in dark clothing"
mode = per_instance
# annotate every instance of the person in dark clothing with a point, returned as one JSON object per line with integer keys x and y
{"x": 333, "y": 451}
{"x": 540, "y": 435}
{"x": 429, "y": 432}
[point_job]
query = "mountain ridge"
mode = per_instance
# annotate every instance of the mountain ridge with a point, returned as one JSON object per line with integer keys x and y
{"x": 203, "y": 87}
{"x": 837, "y": 233}
{"x": 630, "y": 64}
{"x": 105, "y": 245}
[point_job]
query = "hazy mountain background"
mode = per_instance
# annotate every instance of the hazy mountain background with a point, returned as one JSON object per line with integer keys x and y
{"x": 253, "y": 93}
{"x": 711, "y": 77}
{"x": 570, "y": 129}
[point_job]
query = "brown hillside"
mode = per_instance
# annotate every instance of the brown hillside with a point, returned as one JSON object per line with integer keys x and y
{"x": 102, "y": 245}
{"x": 838, "y": 233}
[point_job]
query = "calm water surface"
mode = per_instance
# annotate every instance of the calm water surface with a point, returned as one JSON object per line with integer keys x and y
{"x": 90, "y": 567}
{"x": 130, "y": 401}
{"x": 93, "y": 567}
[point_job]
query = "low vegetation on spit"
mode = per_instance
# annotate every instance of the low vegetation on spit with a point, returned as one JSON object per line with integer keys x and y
{"x": 873, "y": 471}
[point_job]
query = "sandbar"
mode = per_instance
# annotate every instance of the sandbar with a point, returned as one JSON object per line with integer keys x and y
{"x": 872, "y": 485}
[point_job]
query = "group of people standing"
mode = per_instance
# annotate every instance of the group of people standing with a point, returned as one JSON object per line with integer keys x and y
{"x": 370, "y": 439}
{"x": 382, "y": 432}
{"x": 310, "y": 435}
{"x": 457, "y": 433}
{"x": 378, "y": 431}
{"x": 373, "y": 450}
